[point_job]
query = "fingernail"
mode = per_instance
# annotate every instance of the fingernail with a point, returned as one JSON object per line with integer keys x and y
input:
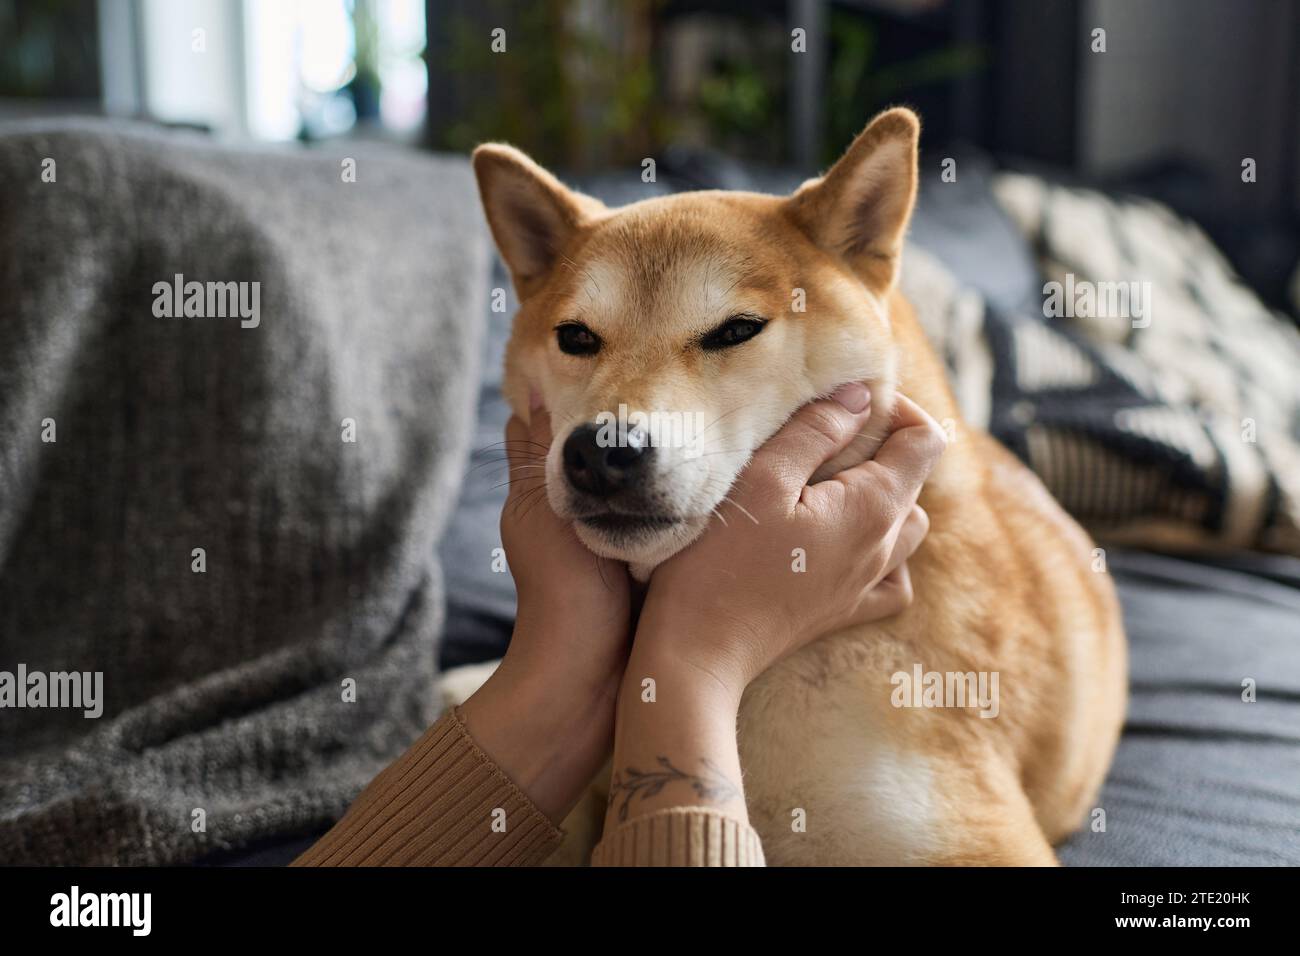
{"x": 853, "y": 395}
{"x": 534, "y": 399}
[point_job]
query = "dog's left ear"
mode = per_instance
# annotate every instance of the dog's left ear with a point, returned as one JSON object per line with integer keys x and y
{"x": 860, "y": 209}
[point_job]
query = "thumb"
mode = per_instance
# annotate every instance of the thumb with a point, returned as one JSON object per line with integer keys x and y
{"x": 813, "y": 436}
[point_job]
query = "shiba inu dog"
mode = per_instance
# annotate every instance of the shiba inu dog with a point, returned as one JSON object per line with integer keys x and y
{"x": 739, "y": 308}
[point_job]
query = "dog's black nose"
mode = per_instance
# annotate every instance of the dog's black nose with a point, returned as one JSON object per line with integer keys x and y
{"x": 600, "y": 463}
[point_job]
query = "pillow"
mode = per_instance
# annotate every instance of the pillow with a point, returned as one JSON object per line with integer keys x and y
{"x": 228, "y": 520}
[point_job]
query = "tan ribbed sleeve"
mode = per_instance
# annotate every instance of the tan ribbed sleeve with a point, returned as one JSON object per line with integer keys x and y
{"x": 681, "y": 836}
{"x": 435, "y": 807}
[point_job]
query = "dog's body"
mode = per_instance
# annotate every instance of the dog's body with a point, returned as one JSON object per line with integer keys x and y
{"x": 1003, "y": 583}
{"x": 654, "y": 307}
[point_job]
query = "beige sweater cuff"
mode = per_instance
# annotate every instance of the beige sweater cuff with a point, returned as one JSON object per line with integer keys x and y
{"x": 681, "y": 836}
{"x": 442, "y": 803}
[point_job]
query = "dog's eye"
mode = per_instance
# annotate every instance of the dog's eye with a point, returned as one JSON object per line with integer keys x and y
{"x": 574, "y": 338}
{"x": 737, "y": 329}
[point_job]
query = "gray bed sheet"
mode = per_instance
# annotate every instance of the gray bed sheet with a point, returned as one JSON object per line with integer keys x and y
{"x": 1203, "y": 776}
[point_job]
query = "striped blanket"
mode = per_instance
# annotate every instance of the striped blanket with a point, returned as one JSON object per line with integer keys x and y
{"x": 1153, "y": 392}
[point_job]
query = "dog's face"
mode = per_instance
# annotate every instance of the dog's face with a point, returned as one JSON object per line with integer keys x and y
{"x": 670, "y": 338}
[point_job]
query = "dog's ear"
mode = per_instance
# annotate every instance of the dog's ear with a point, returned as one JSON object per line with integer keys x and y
{"x": 860, "y": 209}
{"x": 531, "y": 213}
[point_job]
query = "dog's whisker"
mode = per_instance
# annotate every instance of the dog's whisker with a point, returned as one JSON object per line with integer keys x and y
{"x": 719, "y": 418}
{"x": 506, "y": 484}
{"x": 519, "y": 480}
{"x": 533, "y": 496}
{"x": 741, "y": 508}
{"x": 500, "y": 458}
{"x": 502, "y": 463}
{"x": 513, "y": 441}
{"x": 707, "y": 454}
{"x": 527, "y": 455}
{"x": 526, "y": 492}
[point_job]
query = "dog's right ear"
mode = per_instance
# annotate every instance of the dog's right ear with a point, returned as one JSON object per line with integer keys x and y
{"x": 531, "y": 213}
{"x": 860, "y": 209}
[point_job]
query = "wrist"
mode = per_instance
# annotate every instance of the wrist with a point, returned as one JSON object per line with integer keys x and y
{"x": 709, "y": 651}
{"x": 676, "y": 746}
{"x": 547, "y": 737}
{"x": 580, "y": 639}
{"x": 580, "y": 657}
{"x": 686, "y": 676}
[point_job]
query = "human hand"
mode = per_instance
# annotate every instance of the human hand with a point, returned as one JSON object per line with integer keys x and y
{"x": 731, "y": 604}
{"x": 574, "y": 608}
{"x": 546, "y": 715}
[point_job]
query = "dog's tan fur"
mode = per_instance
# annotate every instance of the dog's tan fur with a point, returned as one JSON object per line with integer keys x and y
{"x": 1004, "y": 582}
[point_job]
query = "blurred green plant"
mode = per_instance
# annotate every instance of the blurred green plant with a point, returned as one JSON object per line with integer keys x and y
{"x": 365, "y": 83}
{"x": 365, "y": 31}
{"x": 49, "y": 48}
{"x": 856, "y": 87}
{"x": 740, "y": 104}
{"x": 578, "y": 91}
{"x": 565, "y": 92}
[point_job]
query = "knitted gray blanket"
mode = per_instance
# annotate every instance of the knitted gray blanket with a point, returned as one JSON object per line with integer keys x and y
{"x": 236, "y": 390}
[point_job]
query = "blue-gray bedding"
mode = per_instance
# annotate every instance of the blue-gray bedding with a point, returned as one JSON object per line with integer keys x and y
{"x": 1203, "y": 777}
